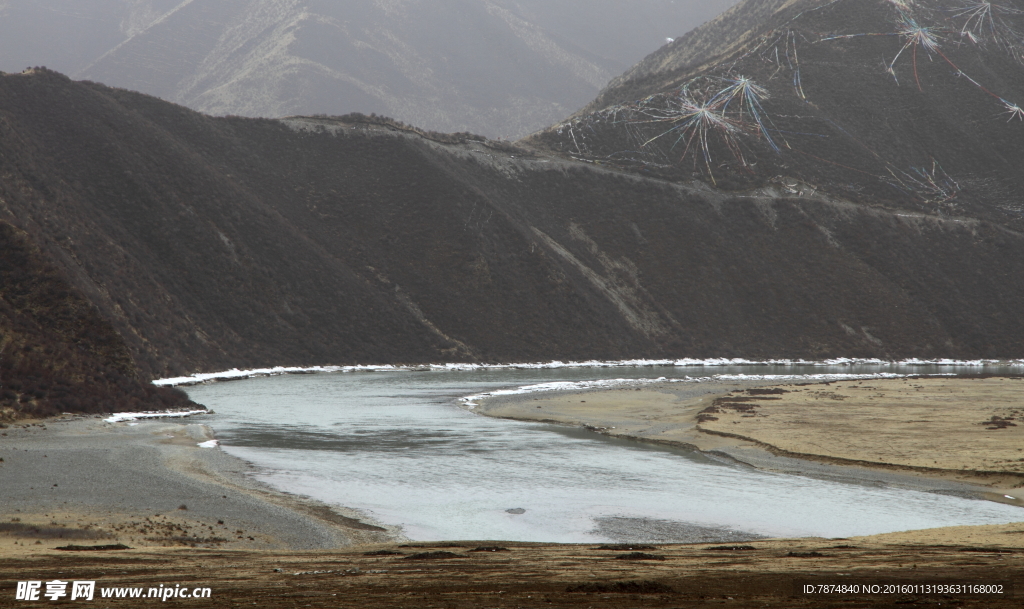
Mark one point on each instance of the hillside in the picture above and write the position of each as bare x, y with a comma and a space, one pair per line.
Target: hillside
891, 103
209, 243
57, 353
504, 68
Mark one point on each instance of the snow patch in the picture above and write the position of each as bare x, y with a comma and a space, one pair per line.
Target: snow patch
235, 373
209, 444
472, 401
134, 416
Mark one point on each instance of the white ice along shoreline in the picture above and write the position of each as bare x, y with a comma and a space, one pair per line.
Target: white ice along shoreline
472, 401
121, 417
236, 374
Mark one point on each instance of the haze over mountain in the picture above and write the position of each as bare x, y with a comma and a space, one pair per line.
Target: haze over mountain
192, 243
502, 68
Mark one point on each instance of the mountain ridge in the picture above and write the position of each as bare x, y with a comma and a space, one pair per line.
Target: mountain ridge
718, 37
208, 243
934, 127
504, 68
182, 227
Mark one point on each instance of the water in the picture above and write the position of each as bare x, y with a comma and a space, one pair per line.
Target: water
397, 446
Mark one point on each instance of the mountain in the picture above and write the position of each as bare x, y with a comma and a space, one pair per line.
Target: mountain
220, 242
57, 352
900, 104
503, 68
182, 242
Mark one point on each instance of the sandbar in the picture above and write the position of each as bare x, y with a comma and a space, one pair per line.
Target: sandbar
955, 435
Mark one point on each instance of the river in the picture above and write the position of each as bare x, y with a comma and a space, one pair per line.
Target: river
397, 445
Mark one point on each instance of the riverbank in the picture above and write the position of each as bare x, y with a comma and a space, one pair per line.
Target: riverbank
948, 435
121, 483
768, 573
151, 483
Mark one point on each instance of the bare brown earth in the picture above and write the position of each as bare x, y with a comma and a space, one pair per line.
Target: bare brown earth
964, 426
758, 574
964, 431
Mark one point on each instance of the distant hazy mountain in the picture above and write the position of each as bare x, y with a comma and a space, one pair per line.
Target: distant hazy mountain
502, 68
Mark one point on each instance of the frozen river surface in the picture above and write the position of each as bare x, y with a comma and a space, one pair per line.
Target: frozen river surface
397, 445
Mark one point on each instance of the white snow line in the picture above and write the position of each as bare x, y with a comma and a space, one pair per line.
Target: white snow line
165, 414
234, 374
472, 401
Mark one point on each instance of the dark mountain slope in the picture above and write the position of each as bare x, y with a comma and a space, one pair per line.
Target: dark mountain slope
907, 105
176, 250
57, 353
210, 243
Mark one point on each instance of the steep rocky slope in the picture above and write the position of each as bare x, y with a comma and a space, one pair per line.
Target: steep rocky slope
906, 105
498, 67
209, 243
